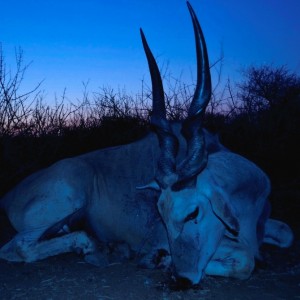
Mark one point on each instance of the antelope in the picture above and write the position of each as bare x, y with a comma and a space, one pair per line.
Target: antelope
177, 198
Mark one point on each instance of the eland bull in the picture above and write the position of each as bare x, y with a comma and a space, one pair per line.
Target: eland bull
177, 197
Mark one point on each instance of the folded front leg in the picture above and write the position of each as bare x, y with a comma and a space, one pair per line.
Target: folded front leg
232, 259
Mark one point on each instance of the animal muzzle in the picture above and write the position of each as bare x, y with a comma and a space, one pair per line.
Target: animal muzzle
187, 269
185, 281
181, 283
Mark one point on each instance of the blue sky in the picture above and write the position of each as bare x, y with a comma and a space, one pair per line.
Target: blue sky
98, 41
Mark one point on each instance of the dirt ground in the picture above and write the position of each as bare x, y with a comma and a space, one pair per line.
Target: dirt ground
69, 277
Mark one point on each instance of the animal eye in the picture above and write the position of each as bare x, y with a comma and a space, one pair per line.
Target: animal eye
192, 216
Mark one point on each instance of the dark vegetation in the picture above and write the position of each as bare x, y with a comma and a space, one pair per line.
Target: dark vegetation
258, 118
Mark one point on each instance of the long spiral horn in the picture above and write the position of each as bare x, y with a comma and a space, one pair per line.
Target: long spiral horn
196, 158
167, 140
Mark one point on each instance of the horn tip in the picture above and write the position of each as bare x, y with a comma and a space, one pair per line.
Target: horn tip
142, 35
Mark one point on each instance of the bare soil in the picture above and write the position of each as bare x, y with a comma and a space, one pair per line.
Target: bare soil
69, 277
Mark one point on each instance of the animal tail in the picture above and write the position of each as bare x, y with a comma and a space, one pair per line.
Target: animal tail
278, 233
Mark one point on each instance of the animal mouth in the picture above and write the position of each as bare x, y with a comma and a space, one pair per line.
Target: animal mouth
179, 283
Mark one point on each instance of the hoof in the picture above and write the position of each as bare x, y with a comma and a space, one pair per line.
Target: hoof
97, 259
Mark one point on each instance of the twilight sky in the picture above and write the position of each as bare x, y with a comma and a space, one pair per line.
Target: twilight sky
71, 41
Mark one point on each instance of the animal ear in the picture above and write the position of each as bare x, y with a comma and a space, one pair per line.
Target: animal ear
152, 185
225, 213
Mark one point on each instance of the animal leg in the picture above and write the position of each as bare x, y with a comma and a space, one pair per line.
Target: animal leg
10, 251
231, 260
278, 233
156, 259
27, 248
